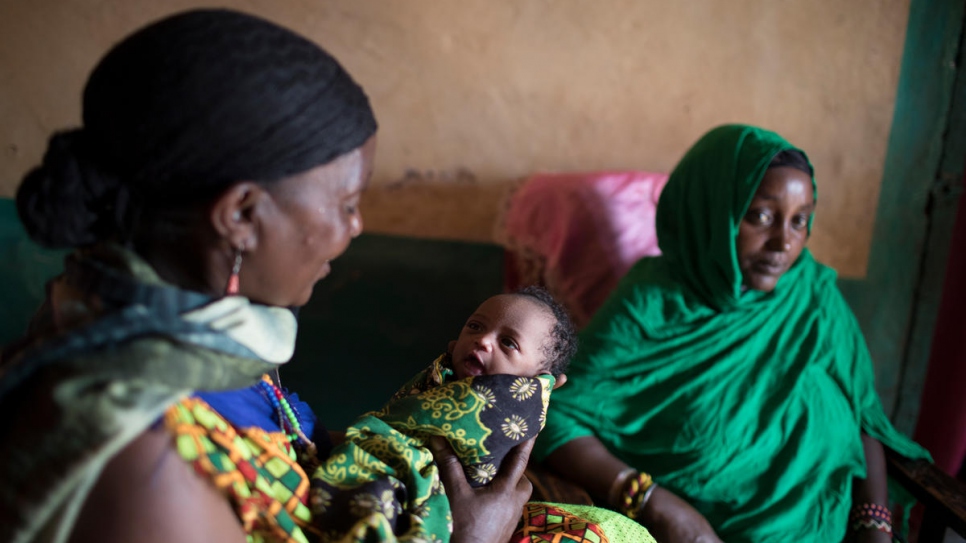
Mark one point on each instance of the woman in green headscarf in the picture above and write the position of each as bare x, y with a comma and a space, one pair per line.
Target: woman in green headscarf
730, 368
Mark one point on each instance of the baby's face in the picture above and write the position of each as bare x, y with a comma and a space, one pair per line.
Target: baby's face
506, 335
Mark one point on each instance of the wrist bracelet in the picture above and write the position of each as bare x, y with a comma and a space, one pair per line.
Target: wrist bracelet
647, 497
614, 495
870, 516
635, 494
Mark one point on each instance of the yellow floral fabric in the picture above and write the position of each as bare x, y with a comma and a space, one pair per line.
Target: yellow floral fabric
382, 484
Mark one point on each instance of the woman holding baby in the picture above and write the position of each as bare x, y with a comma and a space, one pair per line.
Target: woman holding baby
217, 172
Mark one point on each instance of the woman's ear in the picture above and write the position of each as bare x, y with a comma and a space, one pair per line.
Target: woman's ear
561, 380
233, 214
450, 347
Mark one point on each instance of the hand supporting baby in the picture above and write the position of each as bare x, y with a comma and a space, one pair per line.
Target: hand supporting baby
489, 513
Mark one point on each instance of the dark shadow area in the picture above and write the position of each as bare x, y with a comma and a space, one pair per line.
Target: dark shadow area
388, 309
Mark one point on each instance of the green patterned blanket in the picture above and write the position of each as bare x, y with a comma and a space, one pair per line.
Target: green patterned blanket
382, 484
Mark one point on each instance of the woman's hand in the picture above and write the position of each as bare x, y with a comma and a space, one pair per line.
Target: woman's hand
488, 514
671, 520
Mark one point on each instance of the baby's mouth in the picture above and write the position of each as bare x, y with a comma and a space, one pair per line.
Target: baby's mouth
473, 366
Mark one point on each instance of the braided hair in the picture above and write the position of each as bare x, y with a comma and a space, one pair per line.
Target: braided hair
180, 111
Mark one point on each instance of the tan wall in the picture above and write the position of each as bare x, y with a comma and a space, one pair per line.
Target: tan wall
471, 94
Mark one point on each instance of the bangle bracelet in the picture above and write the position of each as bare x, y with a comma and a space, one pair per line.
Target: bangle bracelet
647, 497
614, 495
635, 493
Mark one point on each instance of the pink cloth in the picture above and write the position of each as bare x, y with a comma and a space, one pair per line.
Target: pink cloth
579, 233
942, 416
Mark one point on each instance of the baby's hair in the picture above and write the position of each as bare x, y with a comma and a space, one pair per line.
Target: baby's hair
792, 158
563, 336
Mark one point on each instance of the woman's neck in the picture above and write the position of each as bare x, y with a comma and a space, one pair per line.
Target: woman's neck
185, 266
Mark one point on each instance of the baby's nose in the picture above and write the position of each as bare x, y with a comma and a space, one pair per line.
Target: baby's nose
485, 342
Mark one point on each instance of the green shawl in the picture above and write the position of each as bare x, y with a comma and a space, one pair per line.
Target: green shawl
749, 405
113, 348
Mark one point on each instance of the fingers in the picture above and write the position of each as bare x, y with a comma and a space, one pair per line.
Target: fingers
511, 475
561, 381
525, 487
514, 464
450, 469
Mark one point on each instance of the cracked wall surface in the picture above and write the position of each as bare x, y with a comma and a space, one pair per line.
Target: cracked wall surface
472, 95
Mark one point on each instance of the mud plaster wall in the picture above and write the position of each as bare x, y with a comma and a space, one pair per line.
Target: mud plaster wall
473, 94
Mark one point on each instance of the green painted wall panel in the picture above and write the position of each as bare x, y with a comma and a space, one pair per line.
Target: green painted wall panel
885, 301
942, 206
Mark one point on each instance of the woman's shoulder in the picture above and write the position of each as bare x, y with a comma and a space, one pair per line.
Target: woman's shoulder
650, 297
648, 280
119, 505
821, 284
824, 298
69, 424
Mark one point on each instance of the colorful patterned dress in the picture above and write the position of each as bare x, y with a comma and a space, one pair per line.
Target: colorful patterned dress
235, 440
112, 353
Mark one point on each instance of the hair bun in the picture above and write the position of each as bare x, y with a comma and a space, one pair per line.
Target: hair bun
66, 201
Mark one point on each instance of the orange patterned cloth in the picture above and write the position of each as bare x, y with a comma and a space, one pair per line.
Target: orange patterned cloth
546, 522
257, 470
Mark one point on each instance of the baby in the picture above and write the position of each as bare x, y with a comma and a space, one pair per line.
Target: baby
525, 334
487, 394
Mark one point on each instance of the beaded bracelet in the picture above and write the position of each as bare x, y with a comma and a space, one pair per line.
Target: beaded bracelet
870, 516
617, 487
637, 490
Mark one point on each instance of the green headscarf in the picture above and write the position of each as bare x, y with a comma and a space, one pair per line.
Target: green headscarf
749, 405
703, 203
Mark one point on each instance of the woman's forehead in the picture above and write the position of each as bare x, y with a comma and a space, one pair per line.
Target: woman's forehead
783, 183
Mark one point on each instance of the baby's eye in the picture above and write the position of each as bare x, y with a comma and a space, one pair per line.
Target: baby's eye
474, 326
509, 343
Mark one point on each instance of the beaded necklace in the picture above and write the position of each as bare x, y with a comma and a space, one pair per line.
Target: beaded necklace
288, 416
